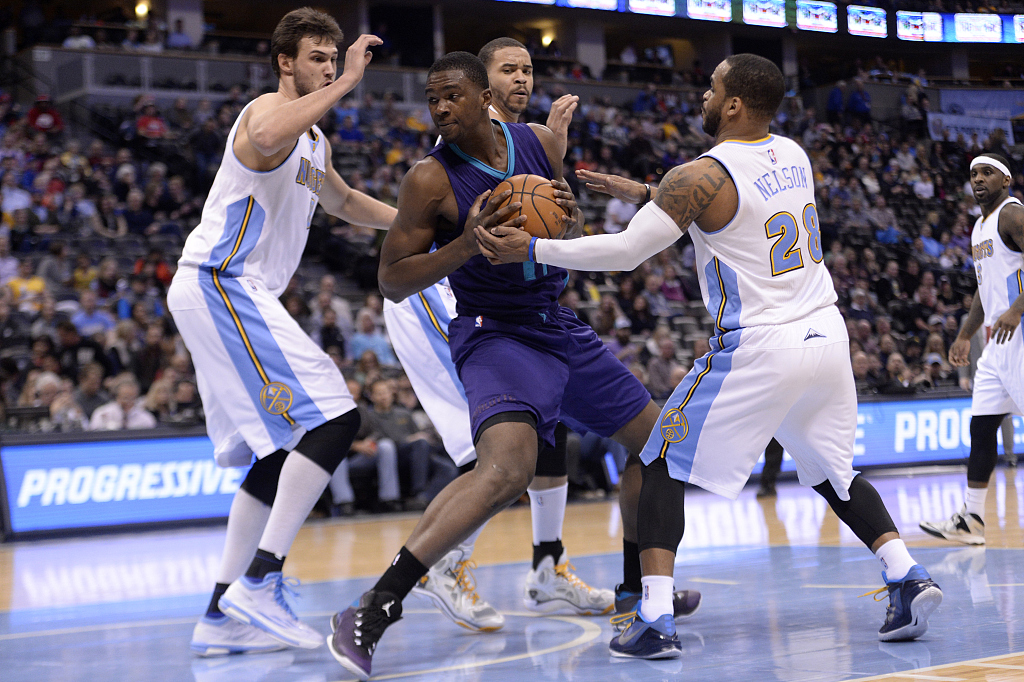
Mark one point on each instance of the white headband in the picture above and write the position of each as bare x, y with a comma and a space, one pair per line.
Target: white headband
995, 163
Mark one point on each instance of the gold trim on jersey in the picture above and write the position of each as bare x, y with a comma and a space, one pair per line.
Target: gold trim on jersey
241, 233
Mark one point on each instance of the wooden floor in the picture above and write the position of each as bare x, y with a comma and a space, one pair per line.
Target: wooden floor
780, 578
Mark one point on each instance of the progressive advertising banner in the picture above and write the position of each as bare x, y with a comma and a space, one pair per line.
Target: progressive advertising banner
949, 126
908, 432
59, 486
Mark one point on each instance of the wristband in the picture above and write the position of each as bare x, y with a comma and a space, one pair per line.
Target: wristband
648, 197
529, 253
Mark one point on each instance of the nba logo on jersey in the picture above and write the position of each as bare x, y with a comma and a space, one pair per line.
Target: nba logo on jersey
771, 157
479, 320
252, 284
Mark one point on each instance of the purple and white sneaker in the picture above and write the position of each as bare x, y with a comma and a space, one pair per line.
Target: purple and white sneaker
358, 628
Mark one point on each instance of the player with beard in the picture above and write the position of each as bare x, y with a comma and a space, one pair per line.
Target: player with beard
997, 242
267, 389
779, 363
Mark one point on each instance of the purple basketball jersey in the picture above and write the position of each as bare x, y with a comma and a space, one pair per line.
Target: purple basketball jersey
518, 291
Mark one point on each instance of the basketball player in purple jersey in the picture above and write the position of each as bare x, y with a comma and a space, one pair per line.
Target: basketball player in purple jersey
525, 362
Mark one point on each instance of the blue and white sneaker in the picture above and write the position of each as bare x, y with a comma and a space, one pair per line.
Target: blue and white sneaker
646, 640
262, 603
221, 636
684, 602
911, 601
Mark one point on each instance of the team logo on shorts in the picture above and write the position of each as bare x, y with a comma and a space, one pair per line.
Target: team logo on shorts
276, 398
674, 427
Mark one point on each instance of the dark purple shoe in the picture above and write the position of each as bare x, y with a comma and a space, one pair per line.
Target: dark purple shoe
357, 630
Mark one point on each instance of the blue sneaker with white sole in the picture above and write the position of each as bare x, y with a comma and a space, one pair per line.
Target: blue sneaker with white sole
911, 601
646, 640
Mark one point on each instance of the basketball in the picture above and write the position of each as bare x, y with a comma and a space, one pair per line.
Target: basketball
537, 196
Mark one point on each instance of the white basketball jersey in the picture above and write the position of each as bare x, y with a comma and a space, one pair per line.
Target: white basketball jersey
764, 267
256, 223
998, 268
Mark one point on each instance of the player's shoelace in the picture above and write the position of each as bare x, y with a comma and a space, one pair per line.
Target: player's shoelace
286, 586
370, 624
622, 621
463, 573
878, 595
565, 571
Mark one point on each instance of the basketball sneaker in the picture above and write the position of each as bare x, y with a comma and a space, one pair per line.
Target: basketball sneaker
449, 584
262, 603
911, 601
641, 639
219, 636
554, 588
962, 527
684, 602
357, 629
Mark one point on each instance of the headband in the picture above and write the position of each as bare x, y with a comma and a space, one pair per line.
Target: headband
995, 163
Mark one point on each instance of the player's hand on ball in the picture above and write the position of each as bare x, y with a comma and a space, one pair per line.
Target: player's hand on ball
959, 353
1002, 330
504, 244
358, 56
486, 217
623, 189
567, 200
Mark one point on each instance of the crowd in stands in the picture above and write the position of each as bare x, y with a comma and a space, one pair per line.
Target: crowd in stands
90, 231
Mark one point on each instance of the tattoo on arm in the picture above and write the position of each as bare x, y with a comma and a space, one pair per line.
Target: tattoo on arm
686, 192
1011, 225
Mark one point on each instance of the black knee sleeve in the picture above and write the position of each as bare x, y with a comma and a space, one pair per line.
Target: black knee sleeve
984, 429
660, 517
864, 512
261, 481
502, 418
329, 443
551, 460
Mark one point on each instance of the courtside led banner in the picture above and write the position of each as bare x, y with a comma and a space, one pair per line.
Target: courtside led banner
58, 486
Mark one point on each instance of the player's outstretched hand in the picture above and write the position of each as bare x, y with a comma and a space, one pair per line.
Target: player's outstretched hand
490, 216
1002, 330
959, 353
504, 244
559, 118
358, 56
623, 189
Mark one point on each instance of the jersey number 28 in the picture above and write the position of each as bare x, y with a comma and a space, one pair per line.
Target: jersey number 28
785, 254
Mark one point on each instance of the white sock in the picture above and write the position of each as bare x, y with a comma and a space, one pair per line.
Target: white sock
896, 560
547, 511
301, 483
467, 545
246, 520
974, 500
657, 596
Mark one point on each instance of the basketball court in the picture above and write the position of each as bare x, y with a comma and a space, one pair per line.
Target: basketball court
780, 579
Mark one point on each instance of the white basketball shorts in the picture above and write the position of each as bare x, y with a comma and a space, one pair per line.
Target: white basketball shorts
999, 380
418, 329
263, 381
791, 381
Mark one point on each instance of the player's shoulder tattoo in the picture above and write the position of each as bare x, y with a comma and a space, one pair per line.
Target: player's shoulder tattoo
1011, 224
687, 190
